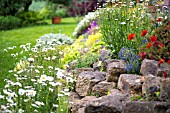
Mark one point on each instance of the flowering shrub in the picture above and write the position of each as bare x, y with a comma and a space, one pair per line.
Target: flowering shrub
157, 46
83, 24
118, 22
77, 48
132, 60
51, 40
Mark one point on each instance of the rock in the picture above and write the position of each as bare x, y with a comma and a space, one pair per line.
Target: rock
97, 66
149, 67
104, 54
78, 106
165, 89
107, 104
107, 62
114, 70
151, 85
163, 68
129, 83
146, 107
74, 96
87, 80
102, 88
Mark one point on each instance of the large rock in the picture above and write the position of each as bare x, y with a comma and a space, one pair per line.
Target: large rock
78, 106
151, 67
87, 80
129, 83
112, 103
114, 70
146, 107
151, 85
165, 89
102, 88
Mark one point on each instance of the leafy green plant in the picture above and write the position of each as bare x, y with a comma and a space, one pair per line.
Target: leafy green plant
119, 21
9, 22
30, 17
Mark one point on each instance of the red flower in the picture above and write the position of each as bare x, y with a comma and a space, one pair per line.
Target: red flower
153, 38
144, 32
161, 45
142, 55
159, 19
131, 36
165, 74
149, 45
168, 61
161, 61
167, 28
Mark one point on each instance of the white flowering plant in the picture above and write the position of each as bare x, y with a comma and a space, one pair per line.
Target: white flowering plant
37, 84
51, 40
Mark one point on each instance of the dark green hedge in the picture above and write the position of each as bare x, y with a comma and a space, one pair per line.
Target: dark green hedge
9, 22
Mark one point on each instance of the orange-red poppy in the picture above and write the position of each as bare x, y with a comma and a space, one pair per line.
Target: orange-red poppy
153, 38
149, 45
131, 36
144, 32
168, 61
159, 19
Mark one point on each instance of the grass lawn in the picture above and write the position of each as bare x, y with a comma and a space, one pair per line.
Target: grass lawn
25, 35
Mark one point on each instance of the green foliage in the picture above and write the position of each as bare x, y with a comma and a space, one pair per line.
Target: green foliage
9, 22
87, 60
11, 7
119, 21
29, 17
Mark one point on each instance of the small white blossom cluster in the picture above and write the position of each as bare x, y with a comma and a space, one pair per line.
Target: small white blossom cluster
51, 40
91, 16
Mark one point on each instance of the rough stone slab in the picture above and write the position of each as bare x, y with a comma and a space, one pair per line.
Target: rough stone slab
86, 81
114, 70
107, 104
129, 83
146, 107
78, 106
149, 67
165, 89
151, 85
103, 87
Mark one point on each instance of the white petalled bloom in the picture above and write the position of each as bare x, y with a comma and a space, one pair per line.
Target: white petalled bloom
55, 105
58, 83
39, 103
60, 95
30, 93
10, 100
26, 100
3, 107
43, 77
33, 80
41, 67
123, 23
50, 78
50, 67
34, 105
20, 111
31, 60
60, 74
50, 89
17, 84
5, 50
1, 96
53, 84
53, 57
21, 91
10, 71
7, 111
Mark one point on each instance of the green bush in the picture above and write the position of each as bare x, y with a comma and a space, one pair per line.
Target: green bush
9, 22
29, 17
